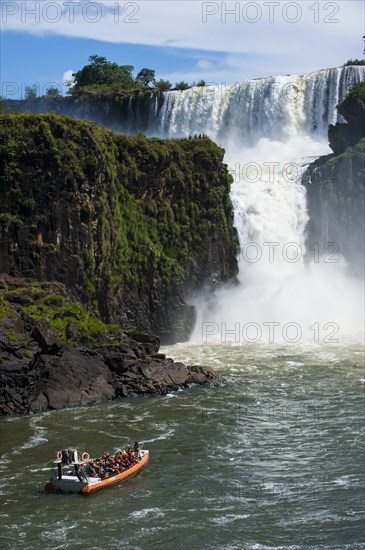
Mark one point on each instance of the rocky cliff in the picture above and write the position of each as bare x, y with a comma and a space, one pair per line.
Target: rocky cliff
54, 353
131, 226
128, 112
335, 185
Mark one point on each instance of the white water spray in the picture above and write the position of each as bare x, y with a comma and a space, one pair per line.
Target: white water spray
271, 128
280, 299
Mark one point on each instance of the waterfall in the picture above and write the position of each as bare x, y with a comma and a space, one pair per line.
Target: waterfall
277, 108
271, 129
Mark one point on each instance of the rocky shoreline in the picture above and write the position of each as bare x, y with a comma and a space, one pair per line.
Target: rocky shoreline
42, 368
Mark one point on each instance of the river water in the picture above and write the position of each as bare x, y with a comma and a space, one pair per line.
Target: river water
272, 459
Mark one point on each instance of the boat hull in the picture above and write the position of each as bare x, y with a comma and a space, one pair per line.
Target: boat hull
72, 484
131, 472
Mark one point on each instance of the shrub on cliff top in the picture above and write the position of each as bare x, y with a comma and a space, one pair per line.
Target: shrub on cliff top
109, 212
352, 108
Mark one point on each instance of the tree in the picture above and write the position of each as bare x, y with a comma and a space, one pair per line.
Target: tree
352, 108
96, 60
101, 74
31, 92
181, 85
201, 83
163, 85
53, 92
146, 77
354, 62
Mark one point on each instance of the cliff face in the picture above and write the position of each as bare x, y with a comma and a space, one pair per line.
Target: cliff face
121, 112
132, 226
335, 185
335, 200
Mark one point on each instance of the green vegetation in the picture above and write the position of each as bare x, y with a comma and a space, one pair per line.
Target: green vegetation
31, 93
5, 310
58, 310
182, 85
102, 77
163, 85
352, 108
100, 87
53, 92
335, 183
146, 77
354, 62
114, 214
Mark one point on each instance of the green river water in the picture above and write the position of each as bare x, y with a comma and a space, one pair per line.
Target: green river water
272, 459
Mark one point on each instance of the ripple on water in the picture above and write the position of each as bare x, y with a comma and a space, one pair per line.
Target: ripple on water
147, 512
231, 467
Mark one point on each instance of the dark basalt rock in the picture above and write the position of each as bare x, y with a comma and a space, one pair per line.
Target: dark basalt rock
335, 187
131, 226
46, 337
72, 331
38, 372
73, 377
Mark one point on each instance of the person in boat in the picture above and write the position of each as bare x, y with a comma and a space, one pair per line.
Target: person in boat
125, 461
114, 470
65, 459
131, 458
137, 450
90, 469
102, 469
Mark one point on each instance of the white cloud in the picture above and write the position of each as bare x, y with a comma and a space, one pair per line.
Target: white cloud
297, 36
204, 64
67, 77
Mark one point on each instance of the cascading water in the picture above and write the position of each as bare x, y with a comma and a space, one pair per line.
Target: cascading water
278, 108
271, 128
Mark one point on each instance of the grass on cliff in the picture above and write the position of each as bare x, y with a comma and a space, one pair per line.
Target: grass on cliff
122, 211
38, 301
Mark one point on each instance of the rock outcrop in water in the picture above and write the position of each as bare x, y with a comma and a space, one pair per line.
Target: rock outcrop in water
335, 186
131, 226
54, 353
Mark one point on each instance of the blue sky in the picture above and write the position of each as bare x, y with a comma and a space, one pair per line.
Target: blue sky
27, 59
221, 42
